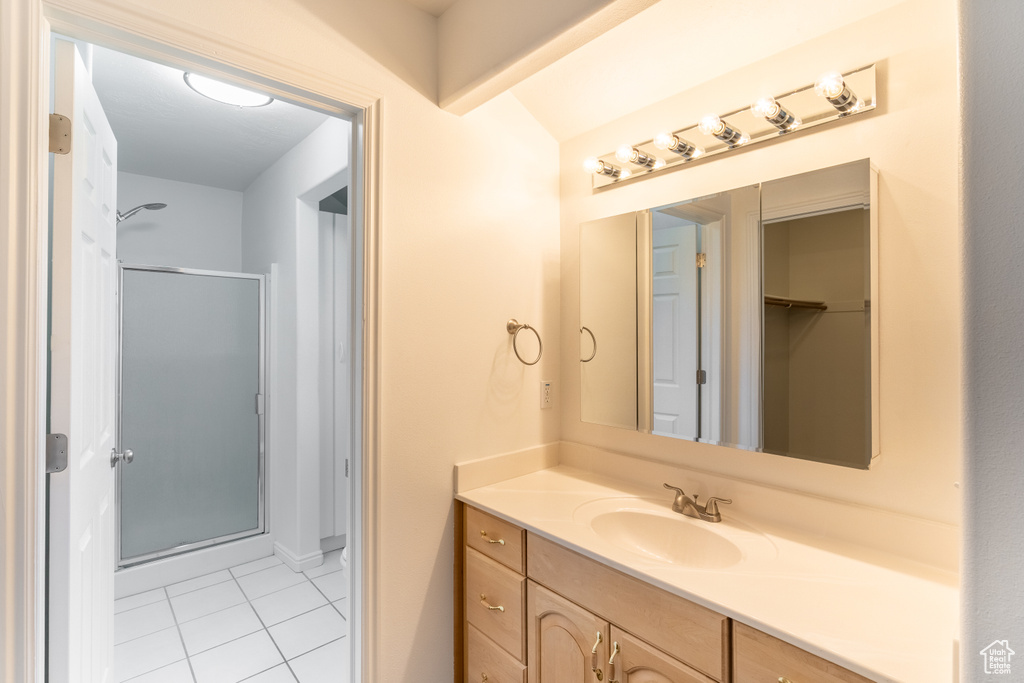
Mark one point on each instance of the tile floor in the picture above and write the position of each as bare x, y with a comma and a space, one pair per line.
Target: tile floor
258, 622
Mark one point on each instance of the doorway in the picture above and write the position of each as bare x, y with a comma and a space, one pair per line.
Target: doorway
297, 562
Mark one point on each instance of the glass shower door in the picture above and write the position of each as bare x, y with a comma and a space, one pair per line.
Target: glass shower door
191, 410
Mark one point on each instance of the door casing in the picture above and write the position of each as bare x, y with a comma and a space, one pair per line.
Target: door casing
26, 34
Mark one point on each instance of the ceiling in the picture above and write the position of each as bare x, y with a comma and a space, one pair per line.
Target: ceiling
166, 130
435, 7
687, 42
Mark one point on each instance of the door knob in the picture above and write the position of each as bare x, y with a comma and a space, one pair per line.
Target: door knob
125, 456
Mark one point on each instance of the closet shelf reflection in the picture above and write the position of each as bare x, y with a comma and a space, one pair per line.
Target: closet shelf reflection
786, 302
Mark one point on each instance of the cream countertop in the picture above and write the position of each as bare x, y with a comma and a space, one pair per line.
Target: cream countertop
877, 614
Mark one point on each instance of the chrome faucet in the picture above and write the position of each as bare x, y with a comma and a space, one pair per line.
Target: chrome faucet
684, 505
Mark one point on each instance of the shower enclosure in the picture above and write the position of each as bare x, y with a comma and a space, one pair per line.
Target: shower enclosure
191, 405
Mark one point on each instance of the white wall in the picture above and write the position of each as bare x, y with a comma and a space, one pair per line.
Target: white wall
487, 46
992, 172
282, 227
911, 139
200, 228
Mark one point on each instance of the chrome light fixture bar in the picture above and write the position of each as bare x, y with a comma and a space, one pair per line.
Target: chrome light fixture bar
832, 98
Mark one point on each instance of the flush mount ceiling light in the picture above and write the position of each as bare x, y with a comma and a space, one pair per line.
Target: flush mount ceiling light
226, 93
831, 98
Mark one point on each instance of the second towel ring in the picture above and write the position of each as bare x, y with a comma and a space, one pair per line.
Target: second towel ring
514, 327
593, 339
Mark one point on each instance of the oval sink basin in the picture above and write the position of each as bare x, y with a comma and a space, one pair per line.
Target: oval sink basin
648, 529
671, 540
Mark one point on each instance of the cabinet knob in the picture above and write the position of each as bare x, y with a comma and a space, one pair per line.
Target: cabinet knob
783, 679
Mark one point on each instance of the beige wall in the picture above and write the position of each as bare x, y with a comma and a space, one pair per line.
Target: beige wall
469, 239
911, 139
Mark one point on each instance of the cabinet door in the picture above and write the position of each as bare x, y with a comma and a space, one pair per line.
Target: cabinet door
561, 638
638, 662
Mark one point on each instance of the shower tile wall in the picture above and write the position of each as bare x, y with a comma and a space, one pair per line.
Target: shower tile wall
259, 622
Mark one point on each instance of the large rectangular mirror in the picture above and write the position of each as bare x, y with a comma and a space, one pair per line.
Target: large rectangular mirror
743, 318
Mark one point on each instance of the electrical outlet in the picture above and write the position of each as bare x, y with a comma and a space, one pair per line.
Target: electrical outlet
547, 394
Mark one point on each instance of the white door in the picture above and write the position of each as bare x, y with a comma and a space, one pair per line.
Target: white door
82, 544
675, 317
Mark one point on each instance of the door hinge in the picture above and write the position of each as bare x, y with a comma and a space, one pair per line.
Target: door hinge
259, 404
60, 134
56, 453
702, 377
346, 468
702, 260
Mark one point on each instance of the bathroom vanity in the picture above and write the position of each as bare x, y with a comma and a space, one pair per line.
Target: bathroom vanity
564, 576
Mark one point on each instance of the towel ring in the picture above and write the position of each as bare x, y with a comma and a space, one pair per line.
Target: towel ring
593, 339
514, 327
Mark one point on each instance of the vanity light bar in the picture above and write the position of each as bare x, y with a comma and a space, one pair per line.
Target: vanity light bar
831, 98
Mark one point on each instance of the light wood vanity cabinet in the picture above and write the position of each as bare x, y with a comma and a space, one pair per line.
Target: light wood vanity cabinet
530, 610
761, 657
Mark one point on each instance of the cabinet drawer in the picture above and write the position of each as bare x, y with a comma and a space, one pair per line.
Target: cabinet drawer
495, 597
485, 661
694, 634
759, 657
495, 538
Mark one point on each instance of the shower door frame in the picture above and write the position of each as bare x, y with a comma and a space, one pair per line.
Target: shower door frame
261, 408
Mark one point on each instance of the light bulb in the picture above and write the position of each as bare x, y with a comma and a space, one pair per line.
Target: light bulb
830, 86
664, 140
774, 113
659, 163
592, 164
766, 107
625, 173
711, 125
834, 89
624, 153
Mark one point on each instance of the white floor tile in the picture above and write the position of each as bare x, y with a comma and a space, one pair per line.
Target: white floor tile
147, 653
255, 566
267, 581
207, 600
236, 660
333, 585
328, 664
342, 607
279, 674
332, 563
142, 621
198, 582
288, 603
139, 599
179, 672
308, 631
218, 628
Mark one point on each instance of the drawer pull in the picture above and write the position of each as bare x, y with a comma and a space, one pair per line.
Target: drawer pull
611, 663
593, 658
484, 534
483, 678
498, 608
783, 679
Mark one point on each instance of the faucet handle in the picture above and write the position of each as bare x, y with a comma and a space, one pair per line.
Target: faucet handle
678, 490
711, 507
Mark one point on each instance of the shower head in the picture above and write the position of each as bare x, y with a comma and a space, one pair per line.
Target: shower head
150, 207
